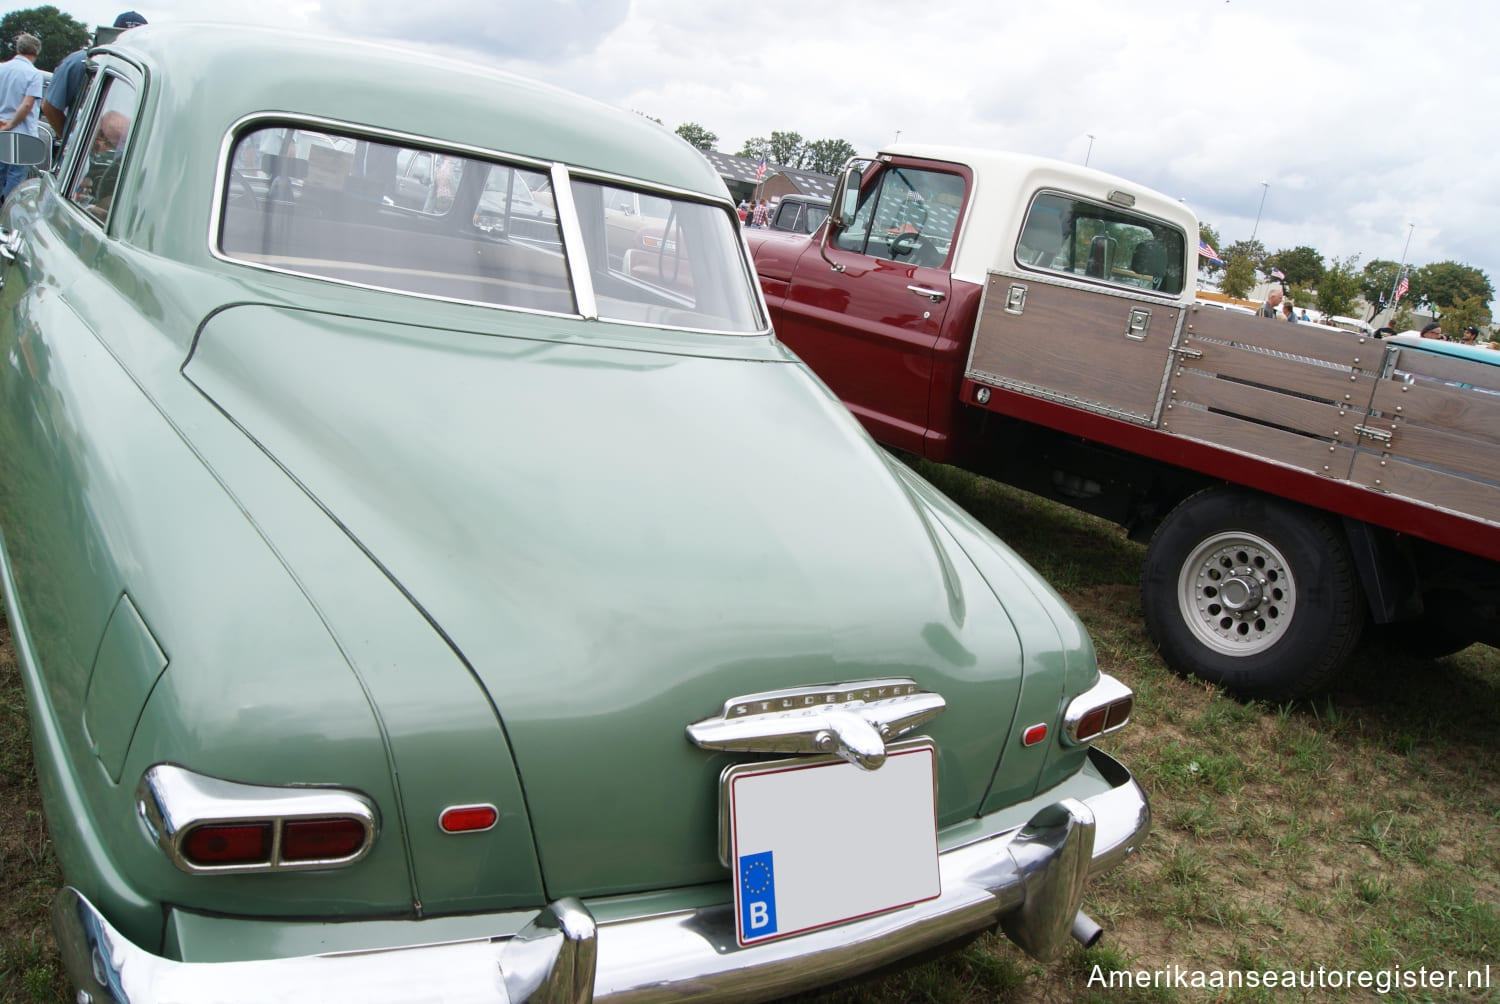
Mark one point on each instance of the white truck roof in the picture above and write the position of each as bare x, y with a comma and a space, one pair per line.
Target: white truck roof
1003, 186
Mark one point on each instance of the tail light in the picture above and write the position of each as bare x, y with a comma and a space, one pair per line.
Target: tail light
205, 824
1103, 708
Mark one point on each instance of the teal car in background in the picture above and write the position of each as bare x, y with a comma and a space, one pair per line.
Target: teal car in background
417, 602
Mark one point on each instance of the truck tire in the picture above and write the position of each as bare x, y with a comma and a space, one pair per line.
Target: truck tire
1251, 592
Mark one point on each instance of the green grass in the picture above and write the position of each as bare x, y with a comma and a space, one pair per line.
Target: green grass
1360, 830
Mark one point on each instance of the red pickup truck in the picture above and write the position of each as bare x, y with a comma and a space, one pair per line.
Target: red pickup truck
1036, 322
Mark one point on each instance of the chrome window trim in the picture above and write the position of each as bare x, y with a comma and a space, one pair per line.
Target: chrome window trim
173, 801
572, 234
83, 130
576, 262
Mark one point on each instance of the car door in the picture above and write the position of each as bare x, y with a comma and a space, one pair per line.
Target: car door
867, 318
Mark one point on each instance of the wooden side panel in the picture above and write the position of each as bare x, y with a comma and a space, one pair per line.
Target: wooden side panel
1341, 348
1428, 486
1302, 452
1071, 344
1347, 387
1259, 405
1462, 410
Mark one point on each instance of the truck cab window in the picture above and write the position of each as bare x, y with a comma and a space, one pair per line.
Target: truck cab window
1101, 242
908, 216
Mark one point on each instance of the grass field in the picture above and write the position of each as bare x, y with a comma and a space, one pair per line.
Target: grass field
1356, 832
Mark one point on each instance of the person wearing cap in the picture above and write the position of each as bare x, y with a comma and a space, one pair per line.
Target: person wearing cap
1470, 335
1434, 330
21, 85
68, 79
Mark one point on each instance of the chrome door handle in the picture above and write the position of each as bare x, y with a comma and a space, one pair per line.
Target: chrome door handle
935, 295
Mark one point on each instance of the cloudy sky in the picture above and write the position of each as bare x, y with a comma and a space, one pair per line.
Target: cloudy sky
1362, 122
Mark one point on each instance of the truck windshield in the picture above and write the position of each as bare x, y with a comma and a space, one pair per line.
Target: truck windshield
434, 223
1064, 234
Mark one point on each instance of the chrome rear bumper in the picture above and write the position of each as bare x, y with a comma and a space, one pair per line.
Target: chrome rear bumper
1028, 880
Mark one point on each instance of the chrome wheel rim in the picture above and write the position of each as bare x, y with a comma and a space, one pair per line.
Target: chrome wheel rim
1236, 593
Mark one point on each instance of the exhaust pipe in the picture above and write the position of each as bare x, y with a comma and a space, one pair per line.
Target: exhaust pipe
1085, 931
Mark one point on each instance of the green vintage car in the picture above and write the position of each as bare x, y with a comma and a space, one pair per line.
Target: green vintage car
417, 602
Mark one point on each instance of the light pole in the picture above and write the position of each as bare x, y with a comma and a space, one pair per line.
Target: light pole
1264, 185
1090, 151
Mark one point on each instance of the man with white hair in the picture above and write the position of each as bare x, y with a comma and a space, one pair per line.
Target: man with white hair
1273, 301
20, 102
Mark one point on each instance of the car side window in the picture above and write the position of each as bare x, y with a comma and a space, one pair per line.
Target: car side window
1088, 239
908, 216
97, 175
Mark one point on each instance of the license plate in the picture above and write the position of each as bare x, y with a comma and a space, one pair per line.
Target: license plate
814, 843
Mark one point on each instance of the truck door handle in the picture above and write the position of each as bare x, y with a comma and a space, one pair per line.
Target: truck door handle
935, 295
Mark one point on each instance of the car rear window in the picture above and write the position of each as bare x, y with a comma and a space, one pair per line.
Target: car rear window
435, 223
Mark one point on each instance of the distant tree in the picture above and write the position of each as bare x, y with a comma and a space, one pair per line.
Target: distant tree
1447, 283
1302, 265
1339, 287
1239, 276
1377, 282
698, 136
1252, 250
1210, 236
786, 148
60, 34
755, 148
827, 156
1474, 310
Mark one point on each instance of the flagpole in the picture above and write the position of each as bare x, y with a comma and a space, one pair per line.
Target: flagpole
1401, 265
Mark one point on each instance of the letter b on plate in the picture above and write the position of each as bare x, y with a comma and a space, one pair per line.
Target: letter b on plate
757, 895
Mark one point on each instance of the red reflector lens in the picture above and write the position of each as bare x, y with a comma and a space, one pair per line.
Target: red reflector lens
1091, 724
245, 844
1034, 735
468, 818
1119, 713
321, 839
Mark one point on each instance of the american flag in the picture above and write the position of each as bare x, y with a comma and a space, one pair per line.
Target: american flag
1206, 250
1401, 288
760, 172
1277, 273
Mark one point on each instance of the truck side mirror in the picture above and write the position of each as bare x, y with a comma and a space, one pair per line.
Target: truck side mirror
846, 197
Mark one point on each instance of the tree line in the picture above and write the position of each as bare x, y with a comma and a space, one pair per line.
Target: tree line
1459, 293
785, 149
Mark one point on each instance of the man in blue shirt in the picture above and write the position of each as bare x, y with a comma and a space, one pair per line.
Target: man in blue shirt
69, 78
20, 99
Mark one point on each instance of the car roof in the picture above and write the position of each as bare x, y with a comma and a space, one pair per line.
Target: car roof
203, 80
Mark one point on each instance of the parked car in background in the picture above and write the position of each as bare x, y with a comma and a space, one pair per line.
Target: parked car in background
412, 608
801, 214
